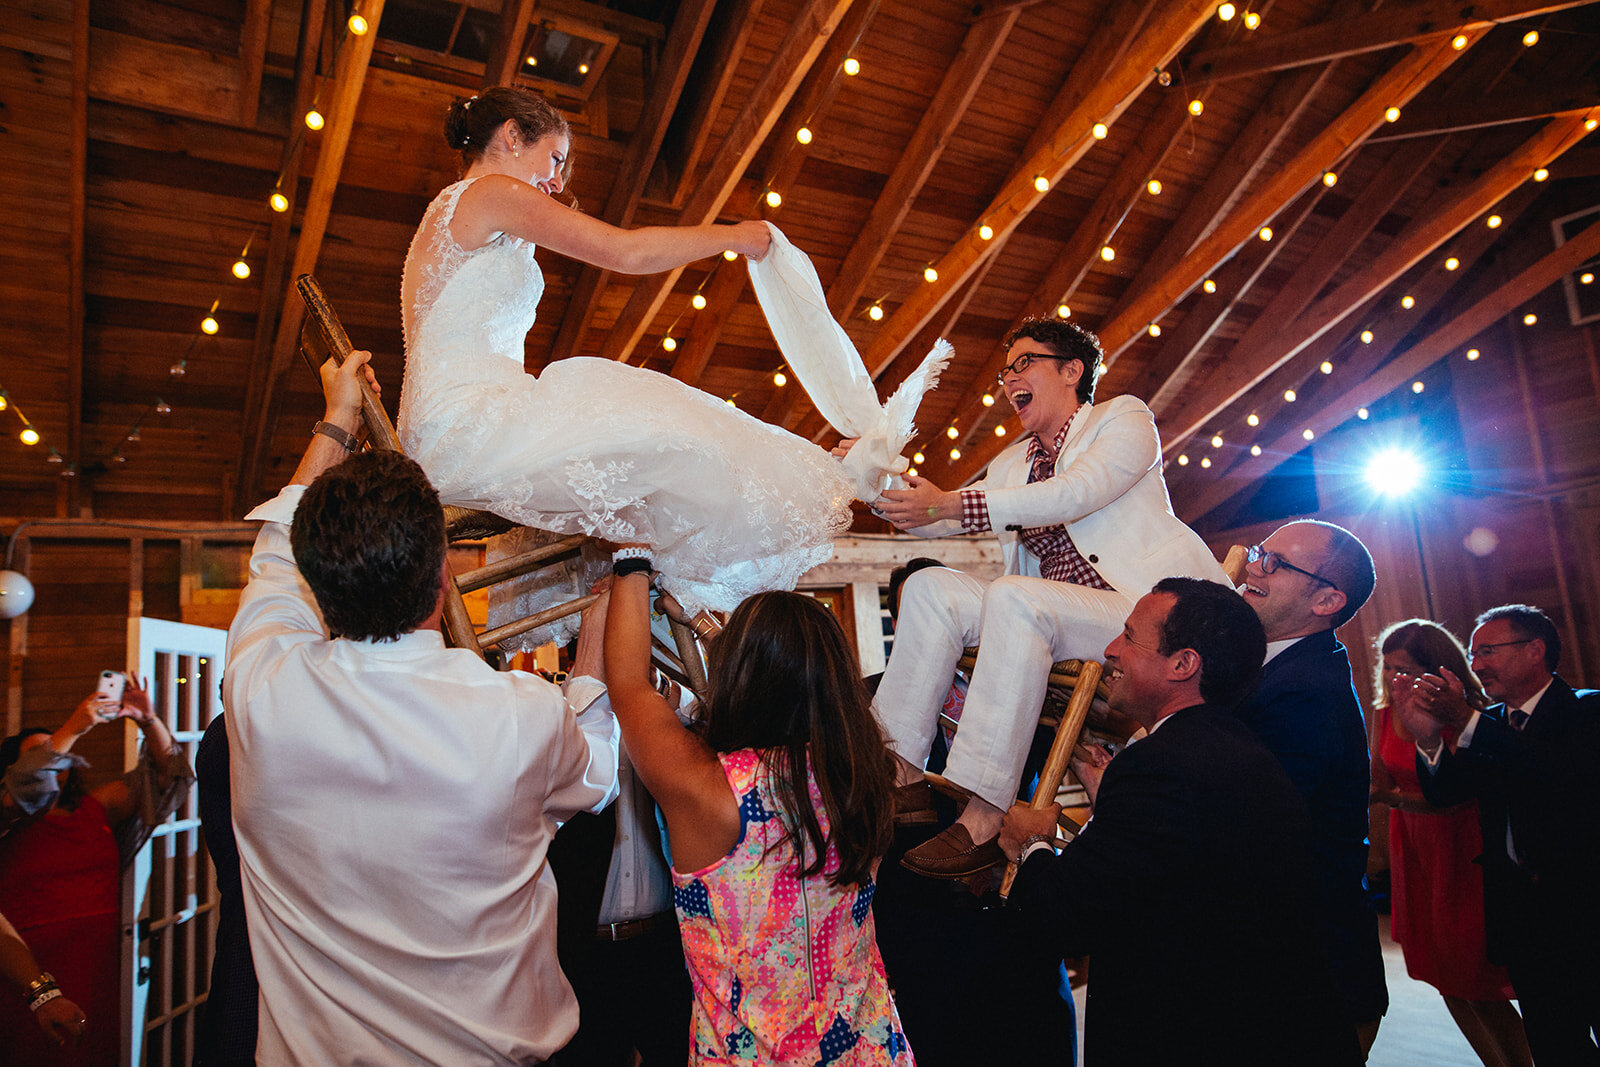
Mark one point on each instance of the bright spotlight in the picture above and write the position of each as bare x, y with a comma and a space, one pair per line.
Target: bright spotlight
1394, 472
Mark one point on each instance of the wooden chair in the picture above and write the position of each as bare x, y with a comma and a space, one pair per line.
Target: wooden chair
322, 337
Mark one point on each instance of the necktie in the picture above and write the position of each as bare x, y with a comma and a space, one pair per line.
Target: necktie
1519, 718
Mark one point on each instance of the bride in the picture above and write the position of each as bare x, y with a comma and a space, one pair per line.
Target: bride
729, 504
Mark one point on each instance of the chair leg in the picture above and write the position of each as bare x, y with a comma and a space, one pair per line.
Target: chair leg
689, 653
1055, 765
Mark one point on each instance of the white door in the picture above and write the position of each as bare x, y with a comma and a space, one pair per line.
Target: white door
169, 893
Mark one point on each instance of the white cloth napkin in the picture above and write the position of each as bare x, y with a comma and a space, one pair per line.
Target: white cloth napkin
829, 368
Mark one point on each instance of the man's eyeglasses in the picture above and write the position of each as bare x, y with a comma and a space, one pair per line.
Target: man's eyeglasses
1023, 362
1485, 651
1270, 561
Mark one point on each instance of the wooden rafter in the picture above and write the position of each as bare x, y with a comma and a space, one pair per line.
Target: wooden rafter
966, 72
1495, 109
1065, 144
644, 147
350, 72
1449, 338
1389, 25
505, 49
763, 107
1391, 89
727, 49
810, 103
1245, 369
1318, 268
253, 35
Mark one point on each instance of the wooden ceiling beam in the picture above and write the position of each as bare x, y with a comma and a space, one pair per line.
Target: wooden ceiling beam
1168, 372
727, 49
1244, 369
77, 199
505, 51
1341, 241
253, 36
1495, 109
1391, 89
1165, 32
638, 162
1390, 323
979, 49
350, 72
810, 103
1449, 338
1337, 37
763, 107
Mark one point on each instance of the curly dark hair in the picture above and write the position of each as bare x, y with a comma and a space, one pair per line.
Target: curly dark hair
1225, 631
1067, 340
784, 680
369, 540
471, 122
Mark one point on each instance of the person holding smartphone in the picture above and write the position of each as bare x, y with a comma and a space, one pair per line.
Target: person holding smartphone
62, 850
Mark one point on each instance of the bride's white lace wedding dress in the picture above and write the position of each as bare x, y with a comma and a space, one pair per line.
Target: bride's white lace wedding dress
730, 504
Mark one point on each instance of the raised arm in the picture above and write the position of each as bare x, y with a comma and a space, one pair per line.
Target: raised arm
499, 203
680, 770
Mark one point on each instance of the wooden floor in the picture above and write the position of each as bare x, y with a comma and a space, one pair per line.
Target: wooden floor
1417, 1032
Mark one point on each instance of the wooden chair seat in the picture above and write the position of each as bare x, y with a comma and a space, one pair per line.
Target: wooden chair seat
323, 337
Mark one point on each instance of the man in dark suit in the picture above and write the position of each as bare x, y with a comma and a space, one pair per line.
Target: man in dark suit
1191, 887
1530, 762
1304, 581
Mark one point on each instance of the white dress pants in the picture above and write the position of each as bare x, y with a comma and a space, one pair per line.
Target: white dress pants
1025, 625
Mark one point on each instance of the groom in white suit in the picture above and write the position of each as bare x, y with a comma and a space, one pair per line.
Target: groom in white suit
1086, 528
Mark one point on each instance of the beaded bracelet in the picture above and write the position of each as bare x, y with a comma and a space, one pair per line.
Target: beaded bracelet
44, 998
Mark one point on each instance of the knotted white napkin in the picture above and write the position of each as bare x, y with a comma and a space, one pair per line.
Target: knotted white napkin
829, 368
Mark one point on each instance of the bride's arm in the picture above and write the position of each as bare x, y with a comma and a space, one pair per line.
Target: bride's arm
498, 202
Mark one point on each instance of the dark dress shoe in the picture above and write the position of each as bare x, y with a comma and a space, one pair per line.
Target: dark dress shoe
913, 804
952, 854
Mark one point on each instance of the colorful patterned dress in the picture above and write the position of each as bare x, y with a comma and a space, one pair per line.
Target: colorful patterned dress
785, 970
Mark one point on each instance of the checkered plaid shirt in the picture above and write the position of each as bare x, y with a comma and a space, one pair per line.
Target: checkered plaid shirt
1059, 558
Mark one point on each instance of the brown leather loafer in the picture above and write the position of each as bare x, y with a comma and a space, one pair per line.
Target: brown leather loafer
952, 854
913, 804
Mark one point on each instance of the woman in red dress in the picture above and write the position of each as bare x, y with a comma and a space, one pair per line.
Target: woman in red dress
62, 850
1436, 889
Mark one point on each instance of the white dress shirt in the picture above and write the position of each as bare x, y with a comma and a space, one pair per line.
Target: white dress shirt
393, 802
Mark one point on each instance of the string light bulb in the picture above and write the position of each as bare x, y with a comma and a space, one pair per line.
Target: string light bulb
875, 313
1408, 301
1330, 178
780, 379
1308, 434
1363, 414
669, 343
583, 68
1366, 337
1183, 459
1541, 174
852, 66
1154, 186
1458, 42
179, 369
1253, 419
955, 453
1590, 124
1265, 233
1226, 12
1205, 461
930, 273
1529, 319
1197, 106
1252, 19
358, 25
1000, 430
1472, 355
730, 402
774, 198
1326, 368
314, 120
1493, 222
209, 325
730, 255
1530, 38
1216, 440
1154, 329
698, 301
803, 135
912, 471
162, 407
1289, 396
1064, 312
986, 232
5, 401
1452, 263
1391, 114
988, 400
1209, 285
1417, 387
28, 436
918, 457
1041, 183
1163, 77
1108, 253
1586, 278
1101, 131
951, 432
279, 202
1255, 450
241, 269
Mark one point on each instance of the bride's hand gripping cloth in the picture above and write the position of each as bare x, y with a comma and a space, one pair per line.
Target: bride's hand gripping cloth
829, 368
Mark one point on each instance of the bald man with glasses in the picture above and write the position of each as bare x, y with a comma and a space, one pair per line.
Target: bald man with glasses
1304, 581
1530, 761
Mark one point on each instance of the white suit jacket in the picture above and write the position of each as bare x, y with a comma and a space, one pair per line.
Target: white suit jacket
1109, 491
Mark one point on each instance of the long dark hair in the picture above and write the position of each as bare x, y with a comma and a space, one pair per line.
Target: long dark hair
784, 680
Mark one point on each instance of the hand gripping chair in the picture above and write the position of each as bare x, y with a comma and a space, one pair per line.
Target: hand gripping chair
323, 337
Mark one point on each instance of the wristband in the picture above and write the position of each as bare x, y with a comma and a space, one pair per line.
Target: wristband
631, 565
43, 998
344, 438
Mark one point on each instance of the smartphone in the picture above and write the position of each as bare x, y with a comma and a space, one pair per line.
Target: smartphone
112, 685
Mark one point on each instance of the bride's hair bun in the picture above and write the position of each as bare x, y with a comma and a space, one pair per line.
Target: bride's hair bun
457, 123
472, 121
